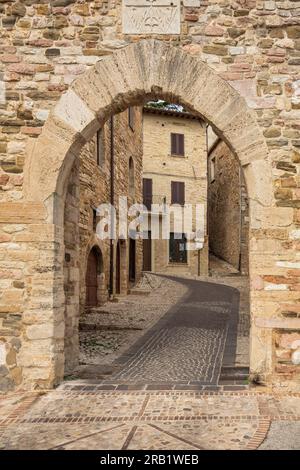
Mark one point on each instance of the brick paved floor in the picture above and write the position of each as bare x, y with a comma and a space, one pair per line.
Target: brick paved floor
85, 419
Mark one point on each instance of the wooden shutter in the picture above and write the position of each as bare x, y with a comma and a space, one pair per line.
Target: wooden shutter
177, 144
173, 144
180, 144
147, 192
177, 192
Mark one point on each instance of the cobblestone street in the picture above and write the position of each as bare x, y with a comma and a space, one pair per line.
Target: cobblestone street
157, 383
187, 345
185, 333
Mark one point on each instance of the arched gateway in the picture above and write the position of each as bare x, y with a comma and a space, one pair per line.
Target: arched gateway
133, 75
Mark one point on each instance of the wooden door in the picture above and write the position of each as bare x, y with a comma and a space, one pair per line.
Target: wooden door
147, 253
91, 280
132, 260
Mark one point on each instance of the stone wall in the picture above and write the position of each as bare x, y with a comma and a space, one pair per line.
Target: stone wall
89, 186
228, 208
287, 350
252, 45
44, 47
163, 168
72, 268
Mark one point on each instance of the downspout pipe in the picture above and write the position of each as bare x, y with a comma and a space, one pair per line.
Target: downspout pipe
112, 202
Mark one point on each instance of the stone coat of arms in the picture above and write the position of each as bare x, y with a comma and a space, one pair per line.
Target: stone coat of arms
151, 16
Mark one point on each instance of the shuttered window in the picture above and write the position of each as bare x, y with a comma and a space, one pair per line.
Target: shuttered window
177, 144
177, 193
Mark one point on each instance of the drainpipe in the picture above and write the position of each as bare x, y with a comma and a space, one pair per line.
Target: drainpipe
112, 201
241, 219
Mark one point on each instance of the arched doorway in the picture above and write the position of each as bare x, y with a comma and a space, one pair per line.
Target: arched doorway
93, 271
134, 75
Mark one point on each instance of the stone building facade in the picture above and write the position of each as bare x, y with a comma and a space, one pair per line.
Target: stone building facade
169, 165
228, 207
66, 66
118, 143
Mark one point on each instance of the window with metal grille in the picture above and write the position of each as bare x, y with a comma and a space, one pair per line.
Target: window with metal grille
177, 248
177, 193
177, 144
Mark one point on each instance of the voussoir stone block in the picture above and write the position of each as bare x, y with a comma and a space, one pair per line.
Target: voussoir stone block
72, 110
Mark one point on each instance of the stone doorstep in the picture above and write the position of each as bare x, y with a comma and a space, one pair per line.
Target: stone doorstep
156, 387
139, 292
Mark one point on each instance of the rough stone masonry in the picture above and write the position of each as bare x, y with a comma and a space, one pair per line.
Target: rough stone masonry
65, 67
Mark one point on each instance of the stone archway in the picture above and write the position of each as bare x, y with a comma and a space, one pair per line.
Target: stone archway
133, 75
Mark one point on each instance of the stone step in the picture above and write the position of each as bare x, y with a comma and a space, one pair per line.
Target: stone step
234, 373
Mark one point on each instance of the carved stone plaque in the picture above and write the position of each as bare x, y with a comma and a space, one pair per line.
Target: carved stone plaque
151, 16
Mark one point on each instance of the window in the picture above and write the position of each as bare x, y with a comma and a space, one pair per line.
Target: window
147, 192
94, 219
131, 118
177, 248
177, 193
212, 169
177, 144
131, 178
100, 148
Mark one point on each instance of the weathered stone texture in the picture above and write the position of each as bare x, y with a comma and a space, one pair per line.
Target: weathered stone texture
228, 208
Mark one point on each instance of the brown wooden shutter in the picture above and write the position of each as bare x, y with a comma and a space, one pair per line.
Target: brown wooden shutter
181, 195
180, 144
147, 192
173, 192
173, 144
177, 144
177, 192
